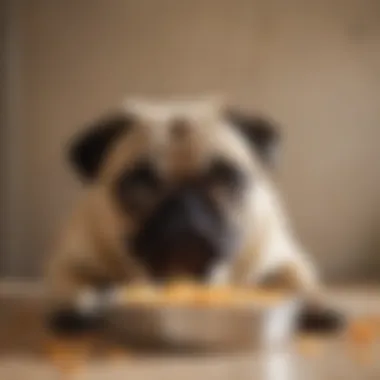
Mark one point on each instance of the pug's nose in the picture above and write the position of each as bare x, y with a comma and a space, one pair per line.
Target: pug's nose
187, 241
180, 213
185, 221
181, 236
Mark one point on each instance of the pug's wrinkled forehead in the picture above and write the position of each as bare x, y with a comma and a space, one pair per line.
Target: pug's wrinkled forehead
166, 110
181, 138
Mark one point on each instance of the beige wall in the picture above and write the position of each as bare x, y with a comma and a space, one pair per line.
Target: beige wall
314, 65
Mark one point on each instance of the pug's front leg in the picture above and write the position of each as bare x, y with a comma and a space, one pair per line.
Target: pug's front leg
80, 297
298, 275
85, 315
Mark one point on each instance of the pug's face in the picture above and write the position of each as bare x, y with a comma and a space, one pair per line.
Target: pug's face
182, 175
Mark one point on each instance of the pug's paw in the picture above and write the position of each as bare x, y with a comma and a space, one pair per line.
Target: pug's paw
320, 320
71, 322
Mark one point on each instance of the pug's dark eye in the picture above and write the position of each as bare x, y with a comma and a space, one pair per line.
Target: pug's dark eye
225, 174
138, 188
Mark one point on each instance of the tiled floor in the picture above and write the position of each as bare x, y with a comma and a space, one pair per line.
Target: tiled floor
23, 343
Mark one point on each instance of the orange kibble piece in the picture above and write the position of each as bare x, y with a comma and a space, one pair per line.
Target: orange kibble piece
362, 335
203, 298
68, 355
374, 322
142, 294
362, 332
219, 296
180, 291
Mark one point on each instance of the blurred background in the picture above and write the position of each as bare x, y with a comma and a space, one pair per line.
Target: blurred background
312, 65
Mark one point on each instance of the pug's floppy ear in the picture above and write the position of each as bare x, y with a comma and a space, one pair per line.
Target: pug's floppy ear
262, 134
87, 149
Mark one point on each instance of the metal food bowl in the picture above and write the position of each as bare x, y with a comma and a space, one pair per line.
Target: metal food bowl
208, 328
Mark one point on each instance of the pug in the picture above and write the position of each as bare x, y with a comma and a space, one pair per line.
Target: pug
177, 189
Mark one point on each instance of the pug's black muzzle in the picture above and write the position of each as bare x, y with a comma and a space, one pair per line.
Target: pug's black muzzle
186, 235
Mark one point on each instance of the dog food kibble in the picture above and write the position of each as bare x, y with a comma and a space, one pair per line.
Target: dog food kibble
141, 294
183, 292
180, 292
362, 332
361, 337
68, 356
